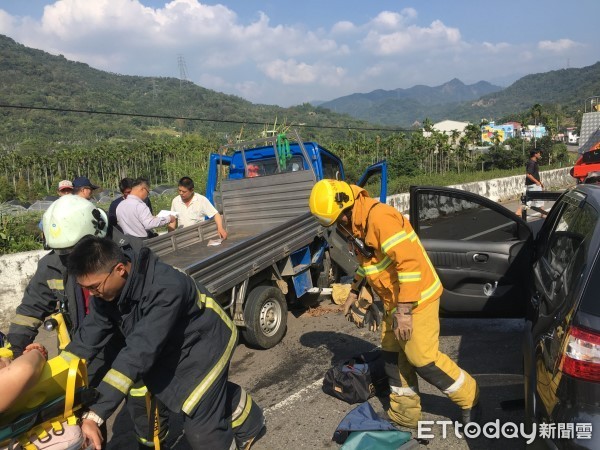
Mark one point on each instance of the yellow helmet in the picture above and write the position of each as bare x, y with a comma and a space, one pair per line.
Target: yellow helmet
328, 199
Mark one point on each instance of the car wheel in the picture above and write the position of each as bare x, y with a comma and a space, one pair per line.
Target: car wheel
265, 314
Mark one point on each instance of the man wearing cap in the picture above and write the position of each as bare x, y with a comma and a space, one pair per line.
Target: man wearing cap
65, 187
83, 187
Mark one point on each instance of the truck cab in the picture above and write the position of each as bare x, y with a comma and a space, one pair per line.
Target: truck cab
284, 156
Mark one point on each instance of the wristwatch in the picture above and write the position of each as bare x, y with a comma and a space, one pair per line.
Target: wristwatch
91, 415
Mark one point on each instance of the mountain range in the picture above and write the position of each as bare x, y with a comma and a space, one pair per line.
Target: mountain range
565, 89
37, 90
367, 106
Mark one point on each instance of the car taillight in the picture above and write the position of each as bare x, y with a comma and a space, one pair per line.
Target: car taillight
582, 355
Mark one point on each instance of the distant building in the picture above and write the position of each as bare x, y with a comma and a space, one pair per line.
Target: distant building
572, 136
491, 131
534, 131
448, 127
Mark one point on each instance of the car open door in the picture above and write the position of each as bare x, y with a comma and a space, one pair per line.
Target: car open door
481, 251
374, 180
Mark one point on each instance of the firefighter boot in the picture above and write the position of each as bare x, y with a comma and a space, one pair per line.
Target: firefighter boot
405, 403
247, 419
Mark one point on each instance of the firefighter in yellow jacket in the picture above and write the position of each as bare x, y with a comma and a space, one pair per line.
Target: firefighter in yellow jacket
396, 266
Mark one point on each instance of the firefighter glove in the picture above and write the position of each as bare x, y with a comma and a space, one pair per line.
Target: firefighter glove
402, 321
352, 297
373, 318
365, 314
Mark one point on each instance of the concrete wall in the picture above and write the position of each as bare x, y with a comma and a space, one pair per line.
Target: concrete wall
498, 189
17, 269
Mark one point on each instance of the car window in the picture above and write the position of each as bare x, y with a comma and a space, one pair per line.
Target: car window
331, 167
565, 252
589, 302
456, 218
268, 166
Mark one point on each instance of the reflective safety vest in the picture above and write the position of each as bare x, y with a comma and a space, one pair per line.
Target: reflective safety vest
399, 270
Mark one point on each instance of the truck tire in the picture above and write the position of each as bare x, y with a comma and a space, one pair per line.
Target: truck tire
265, 313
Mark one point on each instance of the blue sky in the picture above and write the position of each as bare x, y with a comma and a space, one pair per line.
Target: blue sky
290, 52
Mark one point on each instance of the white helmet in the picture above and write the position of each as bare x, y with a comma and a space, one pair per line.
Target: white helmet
69, 219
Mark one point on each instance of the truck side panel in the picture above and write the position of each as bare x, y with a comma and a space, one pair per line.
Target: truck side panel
253, 205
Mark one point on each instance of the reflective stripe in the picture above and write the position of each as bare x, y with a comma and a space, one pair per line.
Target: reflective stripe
27, 321
429, 292
244, 415
395, 240
145, 442
361, 272
409, 277
194, 398
375, 268
241, 405
404, 391
56, 284
426, 255
457, 384
117, 380
68, 356
138, 392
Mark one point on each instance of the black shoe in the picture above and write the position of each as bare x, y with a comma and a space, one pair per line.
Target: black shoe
472, 414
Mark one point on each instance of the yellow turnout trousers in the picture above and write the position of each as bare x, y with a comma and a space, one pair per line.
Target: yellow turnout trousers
421, 355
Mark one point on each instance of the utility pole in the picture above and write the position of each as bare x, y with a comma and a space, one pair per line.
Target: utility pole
183, 75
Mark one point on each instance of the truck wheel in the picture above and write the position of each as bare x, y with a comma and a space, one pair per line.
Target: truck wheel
329, 274
265, 314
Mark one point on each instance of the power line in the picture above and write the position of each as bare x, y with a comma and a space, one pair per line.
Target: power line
195, 119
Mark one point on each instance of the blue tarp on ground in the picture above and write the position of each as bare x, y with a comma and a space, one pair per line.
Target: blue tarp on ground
376, 440
363, 429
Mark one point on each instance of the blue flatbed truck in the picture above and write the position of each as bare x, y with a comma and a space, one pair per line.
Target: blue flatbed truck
275, 251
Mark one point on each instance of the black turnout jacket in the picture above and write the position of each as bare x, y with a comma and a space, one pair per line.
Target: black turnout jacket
178, 339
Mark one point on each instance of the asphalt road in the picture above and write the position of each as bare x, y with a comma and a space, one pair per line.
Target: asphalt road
286, 381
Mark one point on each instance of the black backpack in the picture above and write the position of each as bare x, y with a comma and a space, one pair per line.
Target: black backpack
358, 379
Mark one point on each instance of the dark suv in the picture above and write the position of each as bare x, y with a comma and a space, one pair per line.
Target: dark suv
562, 339
491, 265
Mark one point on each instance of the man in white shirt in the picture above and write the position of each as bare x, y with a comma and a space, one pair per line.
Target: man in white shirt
191, 208
134, 216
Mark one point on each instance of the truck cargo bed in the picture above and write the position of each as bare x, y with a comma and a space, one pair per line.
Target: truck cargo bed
197, 253
267, 219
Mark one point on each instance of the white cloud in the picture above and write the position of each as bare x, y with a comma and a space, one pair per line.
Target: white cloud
496, 48
558, 46
251, 90
291, 71
343, 27
214, 82
413, 38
